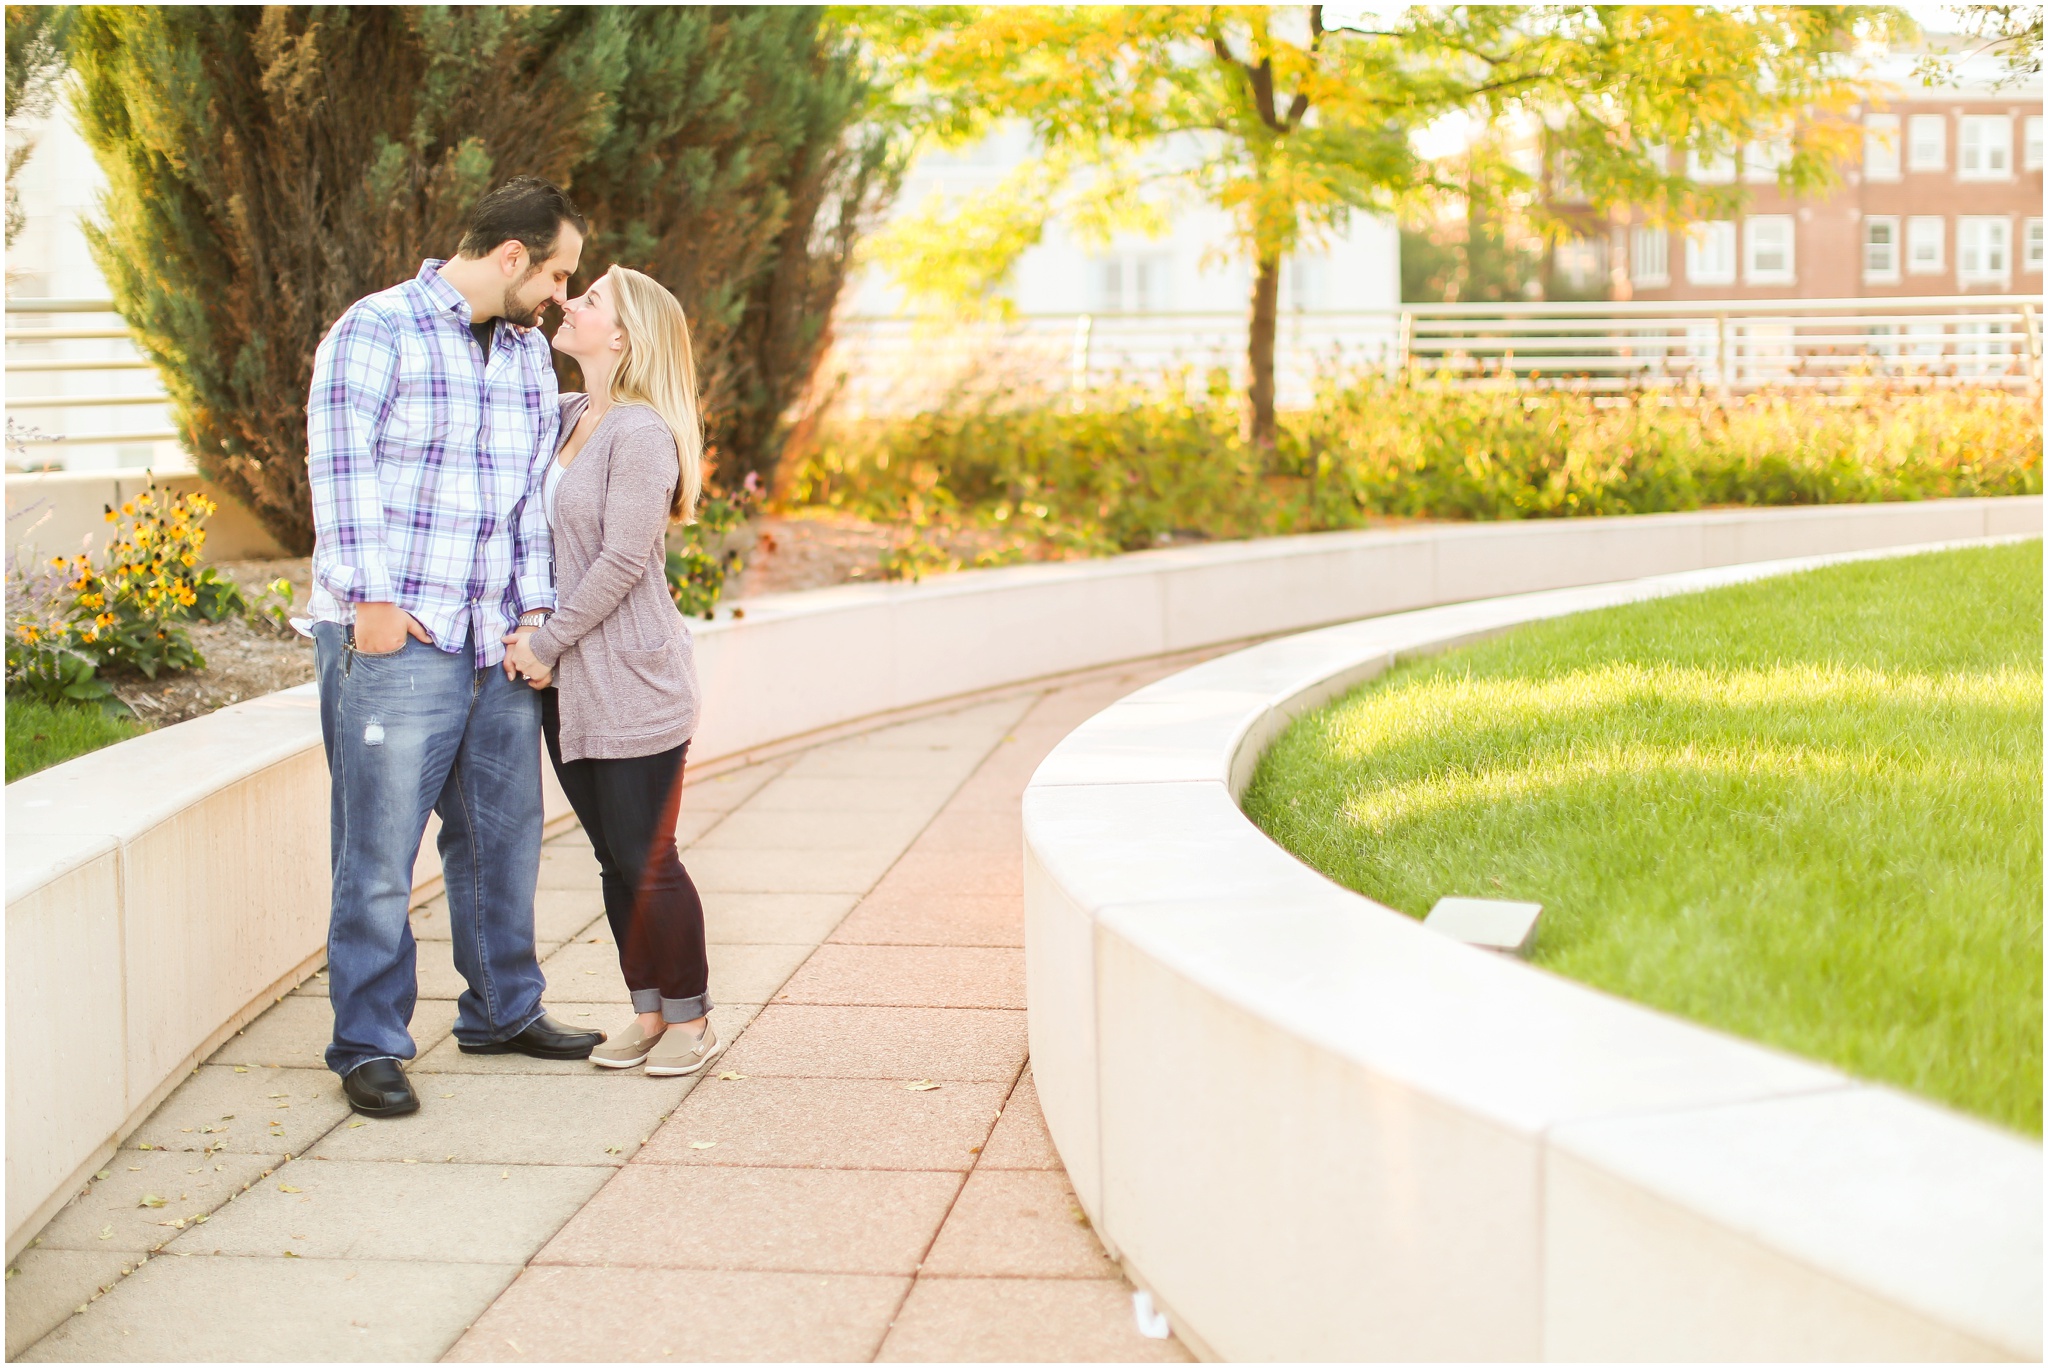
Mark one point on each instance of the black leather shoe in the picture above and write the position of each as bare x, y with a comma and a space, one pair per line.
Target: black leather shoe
380, 1088
545, 1039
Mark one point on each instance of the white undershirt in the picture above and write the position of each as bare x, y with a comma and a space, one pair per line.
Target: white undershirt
556, 470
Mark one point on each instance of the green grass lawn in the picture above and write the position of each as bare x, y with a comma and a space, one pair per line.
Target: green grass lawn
1806, 810
40, 735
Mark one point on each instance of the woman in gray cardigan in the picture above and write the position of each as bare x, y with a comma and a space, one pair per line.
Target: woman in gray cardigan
614, 659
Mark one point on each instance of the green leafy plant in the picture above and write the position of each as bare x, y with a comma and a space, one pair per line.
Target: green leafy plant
75, 616
699, 568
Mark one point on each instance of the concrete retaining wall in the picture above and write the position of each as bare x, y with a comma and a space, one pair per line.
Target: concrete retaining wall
185, 873
52, 514
1316, 1130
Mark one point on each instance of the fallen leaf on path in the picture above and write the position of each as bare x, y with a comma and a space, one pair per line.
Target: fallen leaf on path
703, 1144
103, 1174
145, 1145
150, 1199
106, 1232
240, 1069
353, 1124
730, 1077
280, 1094
287, 1187
921, 1085
290, 1255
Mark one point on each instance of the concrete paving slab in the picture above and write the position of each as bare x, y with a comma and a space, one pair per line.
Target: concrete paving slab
436, 1213
1018, 1224
844, 761
45, 1287
846, 793
774, 918
684, 1316
909, 976
751, 829
209, 1307
726, 791
567, 867
968, 1044
752, 973
892, 916
598, 1118
584, 972
994, 834
787, 871
941, 873
1021, 1140
611, 1018
262, 1111
148, 1196
293, 1033
765, 1219
864, 1123
1014, 1320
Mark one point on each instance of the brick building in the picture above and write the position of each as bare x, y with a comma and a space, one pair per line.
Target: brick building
1947, 200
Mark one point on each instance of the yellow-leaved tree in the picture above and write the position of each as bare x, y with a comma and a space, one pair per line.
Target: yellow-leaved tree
1291, 124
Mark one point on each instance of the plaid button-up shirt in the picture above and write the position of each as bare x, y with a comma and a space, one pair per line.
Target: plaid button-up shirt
426, 466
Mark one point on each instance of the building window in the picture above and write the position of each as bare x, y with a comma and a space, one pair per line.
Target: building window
1983, 250
1130, 284
1767, 242
1710, 253
1924, 255
1761, 161
1881, 147
1710, 168
2030, 254
1927, 142
1649, 256
1984, 147
2031, 140
1880, 250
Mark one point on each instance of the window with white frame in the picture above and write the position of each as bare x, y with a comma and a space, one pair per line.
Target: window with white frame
1983, 250
1710, 168
1880, 249
1767, 249
1927, 142
1130, 284
1762, 160
1881, 147
1984, 147
1925, 236
2030, 246
1710, 253
2030, 143
1649, 257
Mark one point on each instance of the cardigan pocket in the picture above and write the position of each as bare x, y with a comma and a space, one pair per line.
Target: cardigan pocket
651, 689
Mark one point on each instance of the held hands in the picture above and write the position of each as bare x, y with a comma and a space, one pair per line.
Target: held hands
522, 663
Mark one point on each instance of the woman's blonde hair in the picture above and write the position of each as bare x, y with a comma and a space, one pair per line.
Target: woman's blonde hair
658, 370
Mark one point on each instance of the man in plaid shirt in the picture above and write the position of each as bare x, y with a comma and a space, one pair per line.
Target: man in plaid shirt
432, 418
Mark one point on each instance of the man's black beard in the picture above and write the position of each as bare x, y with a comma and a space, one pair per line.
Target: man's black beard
511, 314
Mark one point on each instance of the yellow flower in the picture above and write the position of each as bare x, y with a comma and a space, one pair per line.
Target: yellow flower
30, 634
103, 620
129, 508
188, 558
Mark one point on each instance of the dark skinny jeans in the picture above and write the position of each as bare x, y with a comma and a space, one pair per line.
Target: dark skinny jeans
628, 809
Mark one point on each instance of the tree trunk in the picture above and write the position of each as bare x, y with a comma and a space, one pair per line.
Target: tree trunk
1265, 324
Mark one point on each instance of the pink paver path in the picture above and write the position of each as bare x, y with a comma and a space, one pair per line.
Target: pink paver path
798, 1202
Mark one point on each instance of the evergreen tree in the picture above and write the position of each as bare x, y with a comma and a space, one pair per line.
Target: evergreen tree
268, 166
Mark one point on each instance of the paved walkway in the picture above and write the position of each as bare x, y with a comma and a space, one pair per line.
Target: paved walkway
864, 1174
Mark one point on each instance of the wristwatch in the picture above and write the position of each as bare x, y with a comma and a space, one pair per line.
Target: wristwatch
537, 618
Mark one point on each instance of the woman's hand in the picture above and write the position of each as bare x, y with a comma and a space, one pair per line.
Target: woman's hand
521, 661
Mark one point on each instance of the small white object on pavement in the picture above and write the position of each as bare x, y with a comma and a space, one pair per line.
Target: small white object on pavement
1152, 1322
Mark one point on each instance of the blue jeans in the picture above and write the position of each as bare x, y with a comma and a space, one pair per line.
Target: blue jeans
414, 731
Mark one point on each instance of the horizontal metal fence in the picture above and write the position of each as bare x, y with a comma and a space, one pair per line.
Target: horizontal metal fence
883, 364
76, 384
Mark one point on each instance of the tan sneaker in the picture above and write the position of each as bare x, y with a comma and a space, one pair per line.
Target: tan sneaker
626, 1049
679, 1052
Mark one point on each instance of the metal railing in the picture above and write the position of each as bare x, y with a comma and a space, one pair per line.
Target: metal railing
85, 382
1720, 348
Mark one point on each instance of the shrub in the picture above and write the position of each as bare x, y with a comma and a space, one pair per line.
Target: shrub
1128, 470
269, 165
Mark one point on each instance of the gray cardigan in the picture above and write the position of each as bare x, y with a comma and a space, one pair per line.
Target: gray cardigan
624, 666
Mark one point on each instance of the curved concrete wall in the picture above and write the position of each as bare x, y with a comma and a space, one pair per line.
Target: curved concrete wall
184, 873
1316, 1130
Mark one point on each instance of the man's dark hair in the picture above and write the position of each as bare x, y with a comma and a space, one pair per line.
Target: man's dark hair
525, 209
